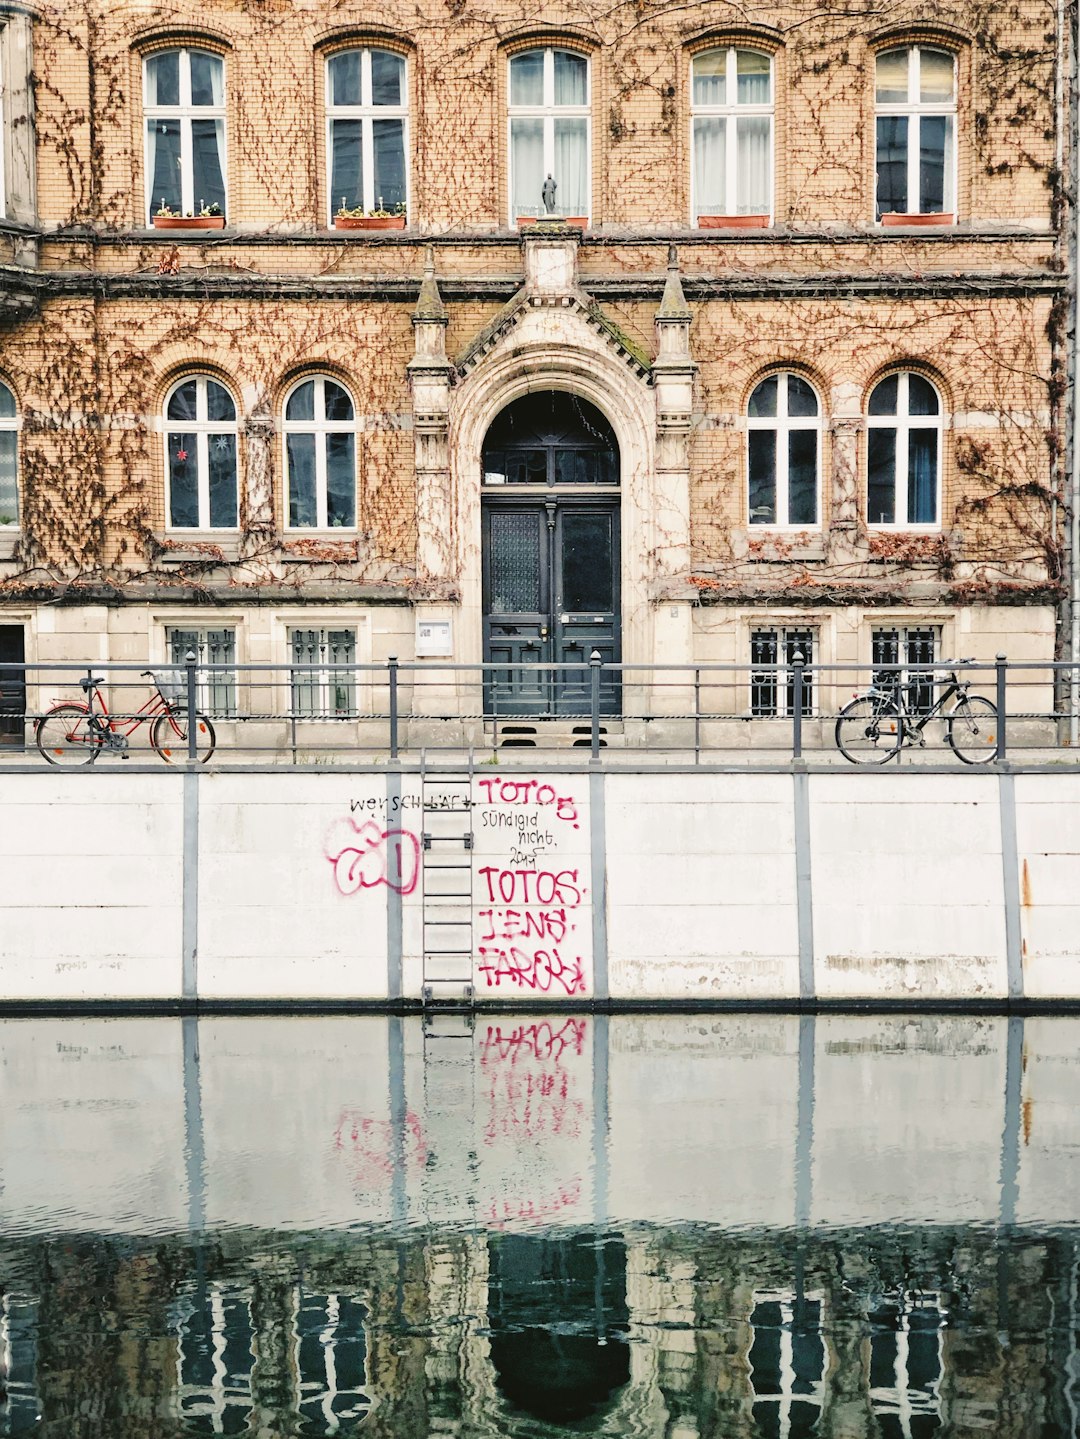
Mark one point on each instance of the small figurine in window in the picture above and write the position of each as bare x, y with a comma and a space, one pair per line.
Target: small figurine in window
548, 194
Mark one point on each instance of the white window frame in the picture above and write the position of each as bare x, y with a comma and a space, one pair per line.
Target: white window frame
782, 424
321, 677
12, 424
549, 112
365, 112
916, 110
185, 112
730, 112
215, 694
784, 676
5, 40
316, 427
204, 430
903, 422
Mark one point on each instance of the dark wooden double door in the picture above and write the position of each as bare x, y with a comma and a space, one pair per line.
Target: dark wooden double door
551, 597
12, 686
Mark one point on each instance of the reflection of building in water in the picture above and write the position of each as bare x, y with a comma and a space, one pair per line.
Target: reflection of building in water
684, 1333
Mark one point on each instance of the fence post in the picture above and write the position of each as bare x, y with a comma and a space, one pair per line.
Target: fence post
1001, 666
595, 663
392, 667
192, 731
798, 665
697, 716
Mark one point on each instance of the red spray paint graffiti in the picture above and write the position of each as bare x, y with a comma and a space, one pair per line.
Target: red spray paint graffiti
530, 947
360, 856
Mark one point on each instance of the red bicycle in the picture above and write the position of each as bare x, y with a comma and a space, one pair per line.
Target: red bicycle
74, 734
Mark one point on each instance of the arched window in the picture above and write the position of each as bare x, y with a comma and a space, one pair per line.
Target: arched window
367, 118
320, 456
784, 448
9, 458
184, 103
549, 132
200, 449
732, 108
916, 117
903, 452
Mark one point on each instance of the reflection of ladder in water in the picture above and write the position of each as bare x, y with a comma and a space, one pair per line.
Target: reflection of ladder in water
446, 873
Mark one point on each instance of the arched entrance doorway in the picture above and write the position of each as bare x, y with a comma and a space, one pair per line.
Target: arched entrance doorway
550, 487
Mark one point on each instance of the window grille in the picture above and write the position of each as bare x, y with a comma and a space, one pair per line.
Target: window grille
215, 689
911, 648
772, 692
329, 690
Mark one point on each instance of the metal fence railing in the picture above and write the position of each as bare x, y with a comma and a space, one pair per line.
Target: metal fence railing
333, 712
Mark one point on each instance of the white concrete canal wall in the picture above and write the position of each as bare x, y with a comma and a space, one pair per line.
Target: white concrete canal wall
667, 886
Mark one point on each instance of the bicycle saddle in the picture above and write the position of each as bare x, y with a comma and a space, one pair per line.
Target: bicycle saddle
91, 682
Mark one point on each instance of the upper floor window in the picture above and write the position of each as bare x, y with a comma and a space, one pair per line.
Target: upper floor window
367, 116
320, 456
184, 102
916, 121
9, 458
200, 447
732, 106
784, 427
549, 133
903, 452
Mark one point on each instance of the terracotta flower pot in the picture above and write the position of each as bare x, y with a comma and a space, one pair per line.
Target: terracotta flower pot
189, 222
733, 222
892, 218
581, 221
369, 222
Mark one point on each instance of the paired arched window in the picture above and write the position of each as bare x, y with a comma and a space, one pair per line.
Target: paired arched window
367, 119
320, 456
549, 133
732, 119
916, 118
184, 107
9, 458
784, 447
200, 449
903, 452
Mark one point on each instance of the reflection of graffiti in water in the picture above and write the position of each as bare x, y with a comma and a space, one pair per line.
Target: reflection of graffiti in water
507, 1211
360, 854
532, 1074
367, 1146
536, 1041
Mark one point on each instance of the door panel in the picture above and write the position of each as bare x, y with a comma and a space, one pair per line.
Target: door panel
12, 686
586, 612
517, 607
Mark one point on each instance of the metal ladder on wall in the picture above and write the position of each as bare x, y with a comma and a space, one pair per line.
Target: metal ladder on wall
446, 870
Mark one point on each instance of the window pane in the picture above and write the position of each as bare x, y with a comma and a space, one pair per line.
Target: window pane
340, 481
336, 401
762, 477
763, 401
207, 144
572, 167
802, 477
763, 651
922, 397
300, 452
389, 143
752, 83
301, 404
752, 141
387, 78
801, 399
892, 151
7, 403
527, 78
346, 165
219, 405
527, 165
587, 572
710, 156
183, 400
881, 477
883, 400
935, 161
571, 79
9, 489
937, 77
163, 160
222, 481
515, 564
922, 477
183, 481
163, 79
345, 78
207, 79
710, 78
892, 77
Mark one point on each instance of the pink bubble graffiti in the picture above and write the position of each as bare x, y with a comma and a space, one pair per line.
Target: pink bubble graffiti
359, 855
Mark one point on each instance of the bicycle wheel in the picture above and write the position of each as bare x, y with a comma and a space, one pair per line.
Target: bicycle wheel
169, 737
869, 731
67, 736
973, 730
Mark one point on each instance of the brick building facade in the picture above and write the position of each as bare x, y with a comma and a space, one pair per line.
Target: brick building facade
779, 366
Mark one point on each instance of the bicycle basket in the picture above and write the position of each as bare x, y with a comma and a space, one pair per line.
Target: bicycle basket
173, 686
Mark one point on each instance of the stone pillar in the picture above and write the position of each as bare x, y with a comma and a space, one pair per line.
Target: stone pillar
844, 537
550, 252
429, 380
259, 473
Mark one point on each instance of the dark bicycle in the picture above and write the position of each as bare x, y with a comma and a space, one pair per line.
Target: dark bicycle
876, 725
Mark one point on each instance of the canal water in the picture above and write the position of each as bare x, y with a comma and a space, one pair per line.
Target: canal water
676, 1226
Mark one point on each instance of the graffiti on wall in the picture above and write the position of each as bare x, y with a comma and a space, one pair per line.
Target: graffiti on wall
368, 854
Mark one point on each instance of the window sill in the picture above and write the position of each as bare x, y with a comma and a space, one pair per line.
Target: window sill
320, 547
917, 221
765, 544
580, 222
204, 547
188, 222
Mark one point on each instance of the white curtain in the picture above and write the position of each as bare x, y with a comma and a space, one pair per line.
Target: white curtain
752, 142
710, 166
527, 164
572, 166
